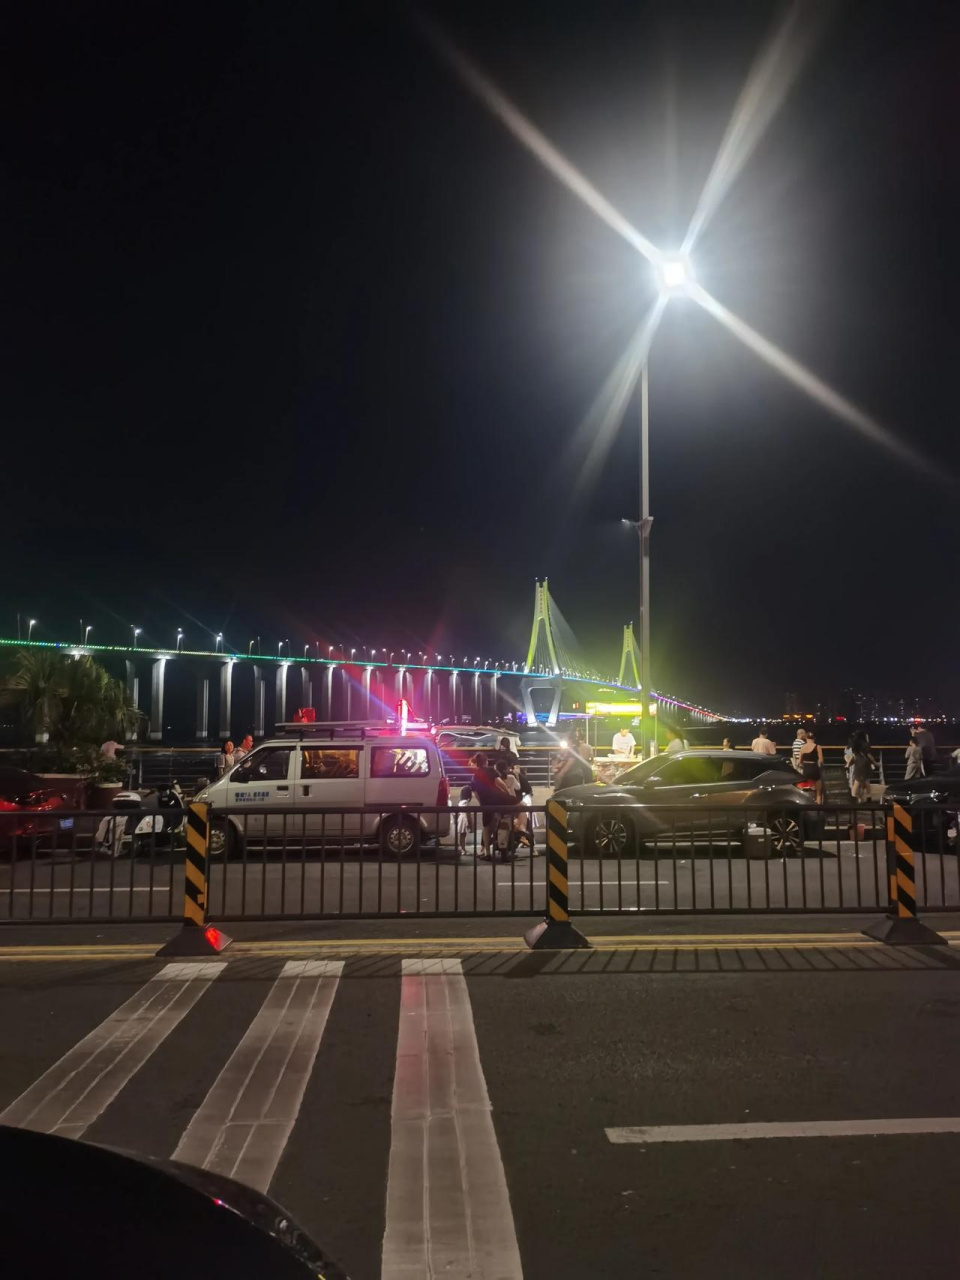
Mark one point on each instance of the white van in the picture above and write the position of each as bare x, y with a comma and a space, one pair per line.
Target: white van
320, 769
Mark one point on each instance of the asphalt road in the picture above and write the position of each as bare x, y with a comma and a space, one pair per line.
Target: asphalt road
842, 876
569, 1046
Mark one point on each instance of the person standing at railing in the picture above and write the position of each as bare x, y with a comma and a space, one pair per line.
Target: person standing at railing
762, 743
798, 742
914, 759
811, 763
928, 747
675, 742
226, 759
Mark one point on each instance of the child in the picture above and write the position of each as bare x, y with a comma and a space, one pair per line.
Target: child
464, 824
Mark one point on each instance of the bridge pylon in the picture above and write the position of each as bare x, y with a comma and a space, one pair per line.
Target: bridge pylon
629, 655
541, 618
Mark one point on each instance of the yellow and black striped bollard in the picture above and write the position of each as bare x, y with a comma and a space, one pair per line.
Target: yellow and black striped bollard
900, 926
196, 937
556, 931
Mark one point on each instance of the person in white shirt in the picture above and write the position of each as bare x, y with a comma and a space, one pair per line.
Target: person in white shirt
762, 744
624, 743
675, 742
798, 744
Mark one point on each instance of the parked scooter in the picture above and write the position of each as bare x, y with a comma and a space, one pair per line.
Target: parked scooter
157, 819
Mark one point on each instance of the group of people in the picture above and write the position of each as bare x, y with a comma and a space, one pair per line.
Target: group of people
231, 755
502, 790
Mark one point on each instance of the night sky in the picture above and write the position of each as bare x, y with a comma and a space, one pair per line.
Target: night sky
297, 339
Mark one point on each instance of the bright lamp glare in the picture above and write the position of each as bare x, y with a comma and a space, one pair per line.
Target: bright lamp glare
674, 275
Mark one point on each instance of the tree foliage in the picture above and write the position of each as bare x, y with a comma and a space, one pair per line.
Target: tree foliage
74, 701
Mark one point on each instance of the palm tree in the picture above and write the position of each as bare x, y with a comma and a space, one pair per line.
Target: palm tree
68, 701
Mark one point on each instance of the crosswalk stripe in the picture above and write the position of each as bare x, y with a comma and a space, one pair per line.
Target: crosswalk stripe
448, 1207
246, 1119
69, 1096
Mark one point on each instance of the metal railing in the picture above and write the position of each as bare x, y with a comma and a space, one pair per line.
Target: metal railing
366, 863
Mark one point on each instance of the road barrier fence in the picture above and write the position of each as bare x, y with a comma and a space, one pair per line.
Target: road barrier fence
289, 862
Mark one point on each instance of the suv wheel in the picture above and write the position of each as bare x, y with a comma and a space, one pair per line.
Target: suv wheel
611, 836
786, 836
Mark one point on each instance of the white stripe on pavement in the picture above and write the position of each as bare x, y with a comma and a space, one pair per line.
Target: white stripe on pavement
448, 1208
788, 1129
76, 1090
247, 1117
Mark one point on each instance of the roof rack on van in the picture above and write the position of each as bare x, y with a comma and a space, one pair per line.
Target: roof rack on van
335, 728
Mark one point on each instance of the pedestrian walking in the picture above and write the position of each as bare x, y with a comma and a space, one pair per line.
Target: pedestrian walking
798, 742
226, 759
762, 743
811, 763
914, 755
861, 765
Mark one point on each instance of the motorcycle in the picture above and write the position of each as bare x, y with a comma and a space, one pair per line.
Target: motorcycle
144, 822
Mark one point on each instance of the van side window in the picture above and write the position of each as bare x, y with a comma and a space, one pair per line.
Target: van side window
269, 764
399, 762
329, 762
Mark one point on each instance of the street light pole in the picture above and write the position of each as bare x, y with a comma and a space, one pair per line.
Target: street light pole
646, 520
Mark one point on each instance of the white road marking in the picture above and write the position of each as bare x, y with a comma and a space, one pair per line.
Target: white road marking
76, 1090
788, 1129
246, 1119
448, 1208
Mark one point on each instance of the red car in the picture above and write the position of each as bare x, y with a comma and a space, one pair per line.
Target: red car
27, 808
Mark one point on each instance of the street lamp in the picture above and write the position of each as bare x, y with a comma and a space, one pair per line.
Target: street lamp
136, 631
280, 644
305, 648
179, 644
674, 278
86, 632
218, 641
352, 652
32, 622
329, 652
250, 649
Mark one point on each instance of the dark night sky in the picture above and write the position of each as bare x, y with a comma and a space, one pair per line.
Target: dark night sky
297, 339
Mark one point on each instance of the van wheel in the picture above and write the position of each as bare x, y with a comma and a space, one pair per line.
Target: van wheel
399, 836
224, 841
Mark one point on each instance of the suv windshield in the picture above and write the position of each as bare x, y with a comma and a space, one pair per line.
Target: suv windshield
640, 772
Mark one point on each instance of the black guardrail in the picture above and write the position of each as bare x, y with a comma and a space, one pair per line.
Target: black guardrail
358, 863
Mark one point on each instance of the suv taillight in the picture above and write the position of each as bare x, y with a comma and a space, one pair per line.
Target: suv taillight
443, 793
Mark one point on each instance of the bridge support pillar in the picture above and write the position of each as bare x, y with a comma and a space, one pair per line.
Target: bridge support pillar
157, 676
133, 693
259, 702
306, 687
280, 705
226, 700
202, 725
